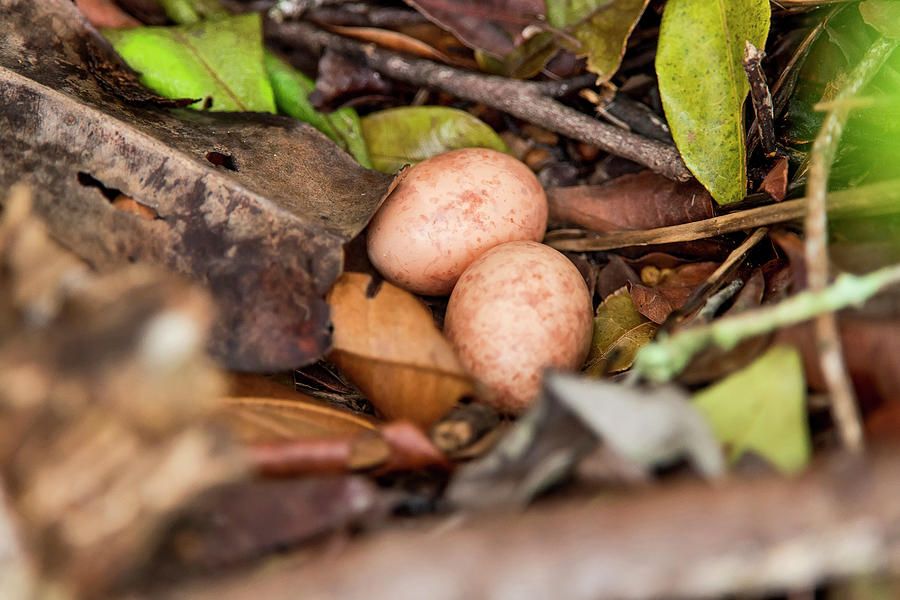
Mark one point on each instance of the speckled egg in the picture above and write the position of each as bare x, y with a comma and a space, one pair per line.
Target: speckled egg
520, 308
447, 211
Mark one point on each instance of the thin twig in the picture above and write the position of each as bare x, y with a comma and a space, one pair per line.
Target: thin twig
526, 100
761, 96
876, 199
824, 150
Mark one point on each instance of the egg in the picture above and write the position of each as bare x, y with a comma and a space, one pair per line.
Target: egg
447, 211
520, 308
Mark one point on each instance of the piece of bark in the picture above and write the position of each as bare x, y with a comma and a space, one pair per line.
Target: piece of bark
105, 395
755, 537
264, 236
642, 200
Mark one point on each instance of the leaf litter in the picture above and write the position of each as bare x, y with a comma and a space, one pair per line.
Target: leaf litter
387, 457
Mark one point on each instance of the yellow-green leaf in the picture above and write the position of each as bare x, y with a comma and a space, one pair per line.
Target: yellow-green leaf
703, 86
619, 332
601, 28
762, 408
883, 15
408, 135
219, 61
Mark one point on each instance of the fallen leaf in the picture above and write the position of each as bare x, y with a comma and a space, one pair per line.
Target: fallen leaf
635, 201
619, 332
493, 26
389, 346
255, 207
871, 349
292, 89
247, 520
341, 79
883, 15
392, 40
106, 13
187, 61
703, 86
776, 180
642, 427
669, 290
523, 62
408, 135
193, 11
762, 409
601, 27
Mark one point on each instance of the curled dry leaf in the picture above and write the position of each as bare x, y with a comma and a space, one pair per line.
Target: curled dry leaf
254, 207
389, 346
668, 289
393, 40
619, 332
635, 201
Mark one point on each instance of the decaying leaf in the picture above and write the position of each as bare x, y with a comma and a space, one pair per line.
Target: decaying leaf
254, 207
635, 201
389, 346
703, 86
187, 61
645, 427
106, 13
408, 135
601, 28
494, 26
665, 290
105, 394
762, 409
619, 332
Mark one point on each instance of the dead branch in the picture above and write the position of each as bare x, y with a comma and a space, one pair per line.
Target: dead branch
690, 540
531, 101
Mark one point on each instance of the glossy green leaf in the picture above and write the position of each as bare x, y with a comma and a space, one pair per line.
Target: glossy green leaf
883, 15
601, 28
703, 85
219, 61
408, 135
762, 408
619, 332
292, 89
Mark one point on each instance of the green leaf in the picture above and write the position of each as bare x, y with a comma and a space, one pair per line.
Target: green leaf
703, 86
883, 15
762, 408
217, 60
619, 332
525, 61
292, 89
601, 28
192, 11
408, 135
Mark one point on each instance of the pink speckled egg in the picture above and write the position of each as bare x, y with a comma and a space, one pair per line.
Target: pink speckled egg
450, 209
520, 308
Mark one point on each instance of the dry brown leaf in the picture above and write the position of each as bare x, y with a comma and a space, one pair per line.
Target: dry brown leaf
106, 13
668, 289
389, 346
776, 181
635, 201
393, 40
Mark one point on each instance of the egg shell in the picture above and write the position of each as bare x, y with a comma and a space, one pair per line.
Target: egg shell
447, 211
520, 308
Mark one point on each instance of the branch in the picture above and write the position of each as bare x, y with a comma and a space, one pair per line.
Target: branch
824, 150
527, 100
750, 537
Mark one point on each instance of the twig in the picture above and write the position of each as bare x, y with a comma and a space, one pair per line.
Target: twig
745, 538
761, 96
876, 199
844, 409
523, 99
715, 279
668, 356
